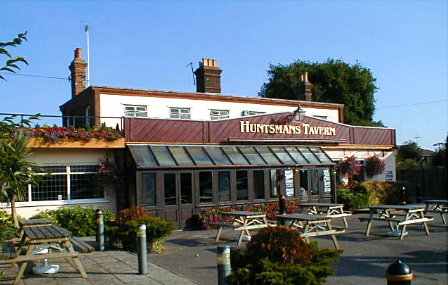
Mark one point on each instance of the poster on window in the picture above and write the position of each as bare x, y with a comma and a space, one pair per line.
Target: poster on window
327, 180
289, 182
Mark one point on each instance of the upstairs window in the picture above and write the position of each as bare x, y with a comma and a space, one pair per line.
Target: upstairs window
180, 113
219, 114
321, 117
140, 111
251, 113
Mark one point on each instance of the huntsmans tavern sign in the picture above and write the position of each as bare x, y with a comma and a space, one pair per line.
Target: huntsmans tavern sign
306, 129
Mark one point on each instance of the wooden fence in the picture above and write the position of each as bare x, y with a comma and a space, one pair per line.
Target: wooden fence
424, 183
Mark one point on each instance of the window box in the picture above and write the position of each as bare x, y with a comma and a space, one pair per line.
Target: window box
70, 143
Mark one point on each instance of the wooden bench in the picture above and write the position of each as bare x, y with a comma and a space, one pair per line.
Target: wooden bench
81, 246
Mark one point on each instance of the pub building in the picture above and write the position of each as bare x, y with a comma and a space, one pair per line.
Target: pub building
188, 151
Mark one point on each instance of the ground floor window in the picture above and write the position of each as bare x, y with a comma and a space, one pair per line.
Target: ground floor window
186, 188
224, 186
66, 183
170, 188
205, 187
259, 184
242, 185
149, 189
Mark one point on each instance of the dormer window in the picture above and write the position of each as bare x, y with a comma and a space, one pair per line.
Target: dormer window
140, 111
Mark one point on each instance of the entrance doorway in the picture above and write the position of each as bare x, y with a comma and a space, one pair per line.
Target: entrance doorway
178, 196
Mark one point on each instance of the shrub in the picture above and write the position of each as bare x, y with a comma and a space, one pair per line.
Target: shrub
353, 199
7, 229
278, 255
381, 192
80, 221
128, 222
196, 223
157, 229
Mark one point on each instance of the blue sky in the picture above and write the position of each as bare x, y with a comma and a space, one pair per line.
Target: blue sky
148, 44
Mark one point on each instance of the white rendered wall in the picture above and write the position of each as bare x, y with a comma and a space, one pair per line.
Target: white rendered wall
389, 173
47, 157
158, 107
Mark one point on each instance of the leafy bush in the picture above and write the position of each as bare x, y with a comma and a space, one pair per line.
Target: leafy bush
80, 221
196, 223
157, 229
7, 229
353, 199
278, 255
381, 192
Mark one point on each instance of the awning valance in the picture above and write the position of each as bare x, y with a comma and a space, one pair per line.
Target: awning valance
209, 156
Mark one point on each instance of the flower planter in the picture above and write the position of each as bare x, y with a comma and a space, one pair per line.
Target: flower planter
70, 143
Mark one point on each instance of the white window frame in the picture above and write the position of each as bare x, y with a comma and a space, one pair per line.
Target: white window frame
180, 113
68, 201
251, 113
133, 111
220, 114
321, 117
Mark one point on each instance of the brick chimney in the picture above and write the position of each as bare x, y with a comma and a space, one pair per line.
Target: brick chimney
78, 73
308, 93
208, 76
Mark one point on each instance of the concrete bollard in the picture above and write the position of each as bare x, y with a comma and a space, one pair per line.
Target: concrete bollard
223, 264
399, 273
99, 230
142, 250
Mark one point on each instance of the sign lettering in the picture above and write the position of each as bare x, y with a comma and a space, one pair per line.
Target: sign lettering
306, 129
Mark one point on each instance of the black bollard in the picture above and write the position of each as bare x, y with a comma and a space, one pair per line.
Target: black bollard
223, 264
99, 230
142, 250
399, 273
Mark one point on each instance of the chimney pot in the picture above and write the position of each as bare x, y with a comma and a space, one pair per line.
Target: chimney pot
78, 53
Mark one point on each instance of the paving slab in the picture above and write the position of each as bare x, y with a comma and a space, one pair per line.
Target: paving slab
103, 268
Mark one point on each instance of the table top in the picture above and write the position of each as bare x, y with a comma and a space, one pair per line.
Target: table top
436, 201
46, 232
399, 207
32, 222
243, 213
303, 217
321, 205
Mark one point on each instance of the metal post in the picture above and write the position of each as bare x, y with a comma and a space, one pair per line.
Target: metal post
142, 250
399, 273
223, 264
99, 230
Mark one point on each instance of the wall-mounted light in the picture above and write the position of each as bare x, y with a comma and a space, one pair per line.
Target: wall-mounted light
299, 113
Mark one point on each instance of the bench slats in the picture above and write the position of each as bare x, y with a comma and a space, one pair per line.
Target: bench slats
416, 221
322, 233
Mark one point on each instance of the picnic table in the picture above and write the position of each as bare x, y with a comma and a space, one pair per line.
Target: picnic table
398, 216
330, 210
437, 206
243, 221
39, 233
311, 225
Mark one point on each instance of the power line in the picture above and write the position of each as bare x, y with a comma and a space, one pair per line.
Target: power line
40, 76
413, 104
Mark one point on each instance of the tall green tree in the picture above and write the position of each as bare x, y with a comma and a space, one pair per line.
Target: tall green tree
16, 169
10, 63
334, 81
